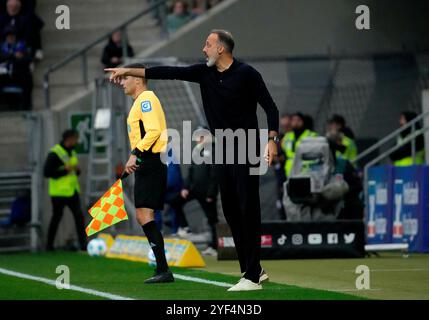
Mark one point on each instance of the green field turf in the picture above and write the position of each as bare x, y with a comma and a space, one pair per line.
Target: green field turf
126, 278
392, 277
15, 288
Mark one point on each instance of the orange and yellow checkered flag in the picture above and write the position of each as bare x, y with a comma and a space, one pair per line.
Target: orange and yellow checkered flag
108, 210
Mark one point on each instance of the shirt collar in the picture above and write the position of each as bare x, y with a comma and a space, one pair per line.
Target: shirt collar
231, 67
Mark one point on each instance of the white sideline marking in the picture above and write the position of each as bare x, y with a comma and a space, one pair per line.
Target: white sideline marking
106, 294
353, 290
72, 287
391, 270
194, 279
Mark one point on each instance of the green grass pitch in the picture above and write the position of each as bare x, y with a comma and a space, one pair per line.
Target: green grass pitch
290, 279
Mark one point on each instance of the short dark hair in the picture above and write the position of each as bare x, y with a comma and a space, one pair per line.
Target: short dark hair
69, 133
137, 65
409, 115
338, 119
299, 115
308, 122
225, 38
184, 4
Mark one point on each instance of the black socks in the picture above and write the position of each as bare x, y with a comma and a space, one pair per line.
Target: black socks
157, 244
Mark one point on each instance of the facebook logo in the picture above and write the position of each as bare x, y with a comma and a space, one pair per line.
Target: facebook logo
332, 238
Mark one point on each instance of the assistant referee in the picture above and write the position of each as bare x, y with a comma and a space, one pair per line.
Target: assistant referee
230, 91
146, 127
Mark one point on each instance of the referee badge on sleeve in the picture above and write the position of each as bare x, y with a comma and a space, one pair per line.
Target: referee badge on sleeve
146, 106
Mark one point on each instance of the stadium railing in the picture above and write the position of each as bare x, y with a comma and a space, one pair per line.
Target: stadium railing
388, 141
82, 53
21, 173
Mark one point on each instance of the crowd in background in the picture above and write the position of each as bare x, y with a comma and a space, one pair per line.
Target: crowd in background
294, 129
179, 12
182, 12
20, 45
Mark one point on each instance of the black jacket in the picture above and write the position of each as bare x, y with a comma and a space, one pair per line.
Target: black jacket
230, 97
406, 150
112, 50
202, 180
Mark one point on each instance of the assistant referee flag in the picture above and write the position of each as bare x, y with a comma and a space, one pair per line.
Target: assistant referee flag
108, 210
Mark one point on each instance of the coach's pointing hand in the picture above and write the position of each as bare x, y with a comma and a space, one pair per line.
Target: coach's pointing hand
116, 74
131, 165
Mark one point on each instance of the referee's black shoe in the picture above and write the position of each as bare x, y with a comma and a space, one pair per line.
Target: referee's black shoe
161, 277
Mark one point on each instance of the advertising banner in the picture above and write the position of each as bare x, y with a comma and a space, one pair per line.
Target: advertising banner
378, 218
283, 240
411, 207
179, 252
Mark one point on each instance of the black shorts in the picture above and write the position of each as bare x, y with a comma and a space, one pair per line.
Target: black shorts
150, 183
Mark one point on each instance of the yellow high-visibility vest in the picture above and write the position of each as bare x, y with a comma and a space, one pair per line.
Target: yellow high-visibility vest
350, 153
408, 161
67, 185
287, 144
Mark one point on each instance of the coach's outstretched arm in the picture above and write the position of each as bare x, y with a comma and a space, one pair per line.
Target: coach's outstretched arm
190, 73
117, 74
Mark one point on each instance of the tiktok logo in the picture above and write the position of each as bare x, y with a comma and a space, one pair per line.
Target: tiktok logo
282, 240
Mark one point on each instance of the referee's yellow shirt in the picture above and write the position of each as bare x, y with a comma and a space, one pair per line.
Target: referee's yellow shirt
146, 124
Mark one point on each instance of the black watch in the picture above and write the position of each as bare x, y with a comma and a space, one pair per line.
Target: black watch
275, 139
137, 153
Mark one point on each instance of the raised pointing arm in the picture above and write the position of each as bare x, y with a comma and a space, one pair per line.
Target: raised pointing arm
190, 73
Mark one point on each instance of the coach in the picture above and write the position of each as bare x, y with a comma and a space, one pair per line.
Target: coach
230, 91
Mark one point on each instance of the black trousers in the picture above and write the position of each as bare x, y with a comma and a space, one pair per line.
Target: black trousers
241, 206
209, 208
58, 205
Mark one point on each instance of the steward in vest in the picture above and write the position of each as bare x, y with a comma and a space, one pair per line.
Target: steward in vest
61, 167
292, 139
344, 137
403, 155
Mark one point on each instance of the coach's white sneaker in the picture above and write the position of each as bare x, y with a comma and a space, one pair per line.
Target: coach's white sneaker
245, 285
263, 276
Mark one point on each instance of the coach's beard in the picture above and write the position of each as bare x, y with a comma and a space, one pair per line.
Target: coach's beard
211, 61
